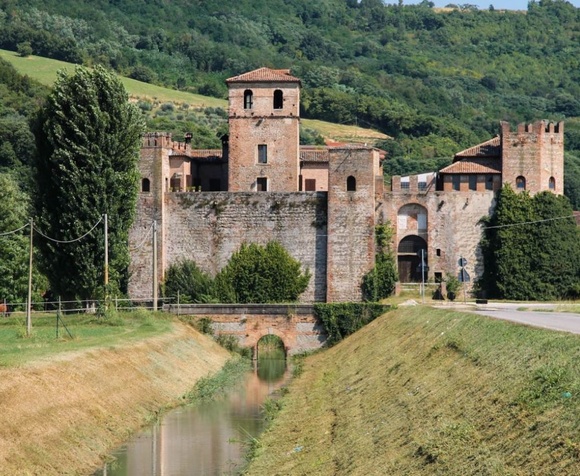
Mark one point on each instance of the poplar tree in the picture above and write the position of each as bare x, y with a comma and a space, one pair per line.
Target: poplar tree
88, 138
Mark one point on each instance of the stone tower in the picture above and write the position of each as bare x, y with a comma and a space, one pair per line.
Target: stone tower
533, 157
264, 121
352, 185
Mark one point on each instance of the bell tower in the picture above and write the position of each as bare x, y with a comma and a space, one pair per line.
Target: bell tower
264, 122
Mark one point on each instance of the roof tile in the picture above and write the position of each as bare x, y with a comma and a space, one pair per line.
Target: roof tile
473, 166
490, 148
264, 74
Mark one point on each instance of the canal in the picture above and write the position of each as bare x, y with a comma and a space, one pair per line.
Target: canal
206, 439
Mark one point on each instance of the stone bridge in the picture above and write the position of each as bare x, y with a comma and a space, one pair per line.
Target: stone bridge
295, 325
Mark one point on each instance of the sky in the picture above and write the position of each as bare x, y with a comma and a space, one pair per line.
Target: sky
483, 4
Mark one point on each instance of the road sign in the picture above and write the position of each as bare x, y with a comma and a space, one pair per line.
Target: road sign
463, 276
462, 262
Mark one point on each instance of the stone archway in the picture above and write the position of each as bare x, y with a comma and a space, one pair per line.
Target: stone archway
409, 258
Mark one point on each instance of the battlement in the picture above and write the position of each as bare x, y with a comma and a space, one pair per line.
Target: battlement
538, 127
164, 140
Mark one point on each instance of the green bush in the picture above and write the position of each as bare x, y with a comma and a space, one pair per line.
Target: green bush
258, 274
342, 319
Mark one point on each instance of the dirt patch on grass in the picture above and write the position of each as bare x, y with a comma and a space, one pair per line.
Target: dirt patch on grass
60, 417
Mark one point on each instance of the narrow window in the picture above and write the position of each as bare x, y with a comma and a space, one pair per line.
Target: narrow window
310, 185
552, 183
300, 183
520, 183
438, 251
262, 154
422, 185
262, 184
456, 182
473, 182
278, 99
145, 185
248, 99
351, 184
438, 277
489, 182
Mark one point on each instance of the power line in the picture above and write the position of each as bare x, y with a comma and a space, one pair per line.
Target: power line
144, 239
69, 241
529, 222
14, 231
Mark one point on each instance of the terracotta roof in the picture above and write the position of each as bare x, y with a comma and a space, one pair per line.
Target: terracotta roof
490, 148
264, 74
473, 166
202, 153
314, 155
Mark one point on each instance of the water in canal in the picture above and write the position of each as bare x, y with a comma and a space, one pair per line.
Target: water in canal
205, 439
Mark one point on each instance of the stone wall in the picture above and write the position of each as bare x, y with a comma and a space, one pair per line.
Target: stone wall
452, 226
209, 227
535, 152
351, 221
277, 129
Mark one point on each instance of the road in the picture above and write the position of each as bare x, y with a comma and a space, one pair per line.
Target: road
559, 321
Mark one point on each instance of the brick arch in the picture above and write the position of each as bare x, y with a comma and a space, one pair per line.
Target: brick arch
412, 219
254, 336
409, 258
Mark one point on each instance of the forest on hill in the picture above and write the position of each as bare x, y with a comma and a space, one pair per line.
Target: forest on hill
437, 81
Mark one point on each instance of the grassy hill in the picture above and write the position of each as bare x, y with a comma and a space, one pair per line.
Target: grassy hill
44, 70
432, 392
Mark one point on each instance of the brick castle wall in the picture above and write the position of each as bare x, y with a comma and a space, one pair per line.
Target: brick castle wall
452, 226
209, 227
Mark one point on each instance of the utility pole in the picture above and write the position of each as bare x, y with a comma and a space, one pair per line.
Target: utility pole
155, 265
422, 275
106, 253
29, 304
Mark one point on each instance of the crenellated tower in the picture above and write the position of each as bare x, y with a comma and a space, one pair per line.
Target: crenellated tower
264, 121
533, 156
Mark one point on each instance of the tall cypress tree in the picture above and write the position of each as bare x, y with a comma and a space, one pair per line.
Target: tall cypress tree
88, 139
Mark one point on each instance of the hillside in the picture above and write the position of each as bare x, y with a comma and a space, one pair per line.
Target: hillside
421, 391
436, 80
44, 70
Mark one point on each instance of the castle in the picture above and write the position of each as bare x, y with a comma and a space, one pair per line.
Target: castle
321, 203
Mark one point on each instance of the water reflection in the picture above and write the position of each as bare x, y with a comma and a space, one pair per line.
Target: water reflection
207, 439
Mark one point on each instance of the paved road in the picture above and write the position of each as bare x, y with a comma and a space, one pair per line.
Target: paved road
559, 321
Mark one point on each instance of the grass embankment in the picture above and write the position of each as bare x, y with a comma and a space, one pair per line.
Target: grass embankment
67, 403
423, 391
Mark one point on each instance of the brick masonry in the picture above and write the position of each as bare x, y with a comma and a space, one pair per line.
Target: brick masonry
209, 227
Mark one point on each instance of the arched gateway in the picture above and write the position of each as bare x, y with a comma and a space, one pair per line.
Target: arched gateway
409, 258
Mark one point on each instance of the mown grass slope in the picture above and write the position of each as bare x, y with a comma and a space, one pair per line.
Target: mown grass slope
421, 391
70, 403
44, 70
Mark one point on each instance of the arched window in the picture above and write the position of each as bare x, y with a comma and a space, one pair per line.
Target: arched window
248, 99
521, 183
278, 99
552, 183
145, 185
351, 184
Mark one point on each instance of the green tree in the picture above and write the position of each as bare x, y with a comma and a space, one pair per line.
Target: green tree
192, 283
379, 283
14, 247
258, 274
530, 252
88, 139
